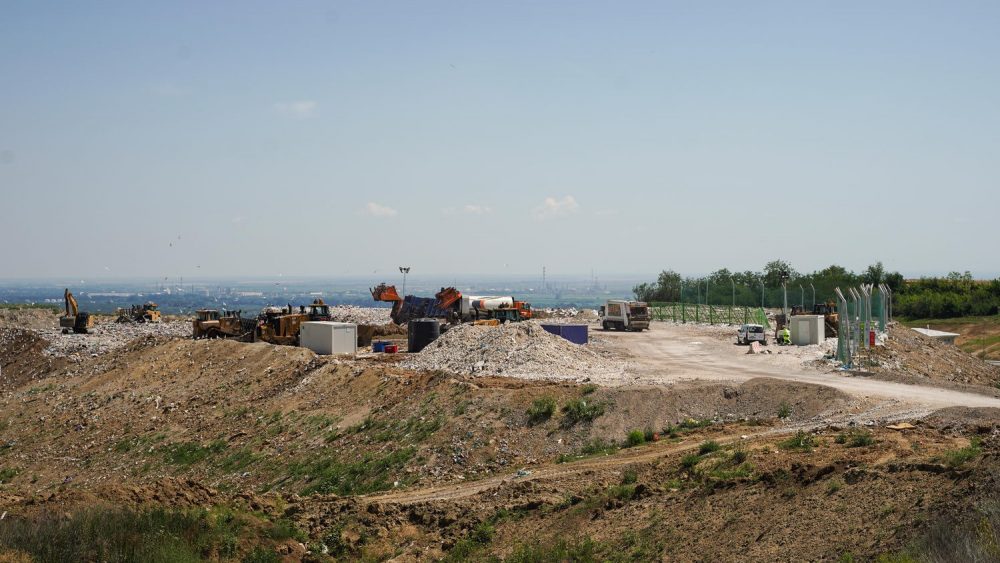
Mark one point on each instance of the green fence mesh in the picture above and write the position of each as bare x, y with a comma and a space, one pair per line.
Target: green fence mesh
710, 314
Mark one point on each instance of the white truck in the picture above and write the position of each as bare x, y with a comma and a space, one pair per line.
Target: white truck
624, 315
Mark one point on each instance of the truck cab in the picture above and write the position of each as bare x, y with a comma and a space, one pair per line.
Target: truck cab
624, 315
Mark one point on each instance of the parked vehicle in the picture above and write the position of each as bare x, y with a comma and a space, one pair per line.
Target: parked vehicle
624, 315
751, 333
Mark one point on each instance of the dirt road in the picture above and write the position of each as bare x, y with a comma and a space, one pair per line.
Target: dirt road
669, 353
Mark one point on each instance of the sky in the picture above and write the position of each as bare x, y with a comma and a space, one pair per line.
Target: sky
347, 138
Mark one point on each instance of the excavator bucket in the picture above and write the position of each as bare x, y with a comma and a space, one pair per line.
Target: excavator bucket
447, 297
383, 292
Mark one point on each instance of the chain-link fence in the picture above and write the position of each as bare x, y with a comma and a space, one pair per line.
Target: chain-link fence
709, 314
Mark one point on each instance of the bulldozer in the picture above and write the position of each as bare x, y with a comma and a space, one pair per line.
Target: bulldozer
148, 312
212, 323
76, 320
280, 325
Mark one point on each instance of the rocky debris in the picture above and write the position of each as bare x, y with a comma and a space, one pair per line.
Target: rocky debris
571, 315
108, 337
360, 315
909, 353
522, 350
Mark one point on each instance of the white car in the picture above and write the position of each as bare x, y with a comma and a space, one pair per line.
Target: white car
750, 333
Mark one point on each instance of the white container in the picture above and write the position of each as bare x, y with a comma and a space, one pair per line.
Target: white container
807, 329
326, 337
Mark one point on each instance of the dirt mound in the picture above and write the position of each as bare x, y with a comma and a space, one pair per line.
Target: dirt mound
909, 353
514, 350
29, 318
965, 419
22, 357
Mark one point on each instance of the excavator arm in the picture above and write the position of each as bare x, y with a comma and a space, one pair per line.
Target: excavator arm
71, 306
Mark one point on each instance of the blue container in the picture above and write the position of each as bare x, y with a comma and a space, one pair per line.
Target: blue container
577, 334
554, 329
379, 346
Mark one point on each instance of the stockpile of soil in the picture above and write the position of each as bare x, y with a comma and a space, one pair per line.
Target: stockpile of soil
29, 317
22, 357
523, 350
907, 352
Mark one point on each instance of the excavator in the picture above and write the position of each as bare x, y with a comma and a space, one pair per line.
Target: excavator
76, 320
451, 305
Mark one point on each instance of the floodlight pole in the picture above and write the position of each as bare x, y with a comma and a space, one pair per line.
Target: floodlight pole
404, 270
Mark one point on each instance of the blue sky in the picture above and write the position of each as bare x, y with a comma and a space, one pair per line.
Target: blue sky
308, 138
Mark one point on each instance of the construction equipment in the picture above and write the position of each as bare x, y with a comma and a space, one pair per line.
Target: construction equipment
624, 315
76, 320
148, 312
451, 305
280, 325
831, 320
211, 323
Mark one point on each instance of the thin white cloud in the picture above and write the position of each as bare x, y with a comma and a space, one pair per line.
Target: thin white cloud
298, 109
375, 210
553, 207
469, 209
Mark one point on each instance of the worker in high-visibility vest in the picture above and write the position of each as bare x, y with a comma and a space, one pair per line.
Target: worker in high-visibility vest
786, 336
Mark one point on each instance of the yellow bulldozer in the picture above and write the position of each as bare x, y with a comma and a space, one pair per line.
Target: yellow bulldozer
148, 312
212, 323
76, 320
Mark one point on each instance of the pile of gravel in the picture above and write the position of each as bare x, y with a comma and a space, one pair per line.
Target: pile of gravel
522, 350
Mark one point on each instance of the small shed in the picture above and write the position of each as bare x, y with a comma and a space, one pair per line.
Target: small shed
327, 337
806, 329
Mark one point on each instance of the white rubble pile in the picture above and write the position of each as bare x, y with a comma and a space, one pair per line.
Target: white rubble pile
568, 316
522, 350
361, 315
107, 337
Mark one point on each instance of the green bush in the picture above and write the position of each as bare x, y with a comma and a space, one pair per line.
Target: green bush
800, 441
690, 460
784, 410
739, 456
959, 457
577, 551
588, 388
541, 409
579, 410
860, 439
707, 447
635, 438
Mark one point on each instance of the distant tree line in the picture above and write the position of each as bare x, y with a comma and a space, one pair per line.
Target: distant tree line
951, 296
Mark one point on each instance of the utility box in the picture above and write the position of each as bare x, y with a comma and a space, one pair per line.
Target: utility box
327, 337
807, 329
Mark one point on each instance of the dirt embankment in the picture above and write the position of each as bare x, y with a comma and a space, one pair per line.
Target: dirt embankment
911, 357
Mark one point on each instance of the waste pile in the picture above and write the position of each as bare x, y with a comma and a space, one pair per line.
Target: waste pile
360, 315
107, 337
522, 349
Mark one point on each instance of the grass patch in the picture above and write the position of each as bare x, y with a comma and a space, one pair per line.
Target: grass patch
327, 474
239, 459
800, 442
189, 453
588, 388
708, 446
592, 448
833, 486
958, 458
541, 409
7, 474
675, 430
690, 461
578, 551
116, 534
579, 410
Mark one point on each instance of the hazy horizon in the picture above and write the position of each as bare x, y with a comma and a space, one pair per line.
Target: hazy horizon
228, 140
